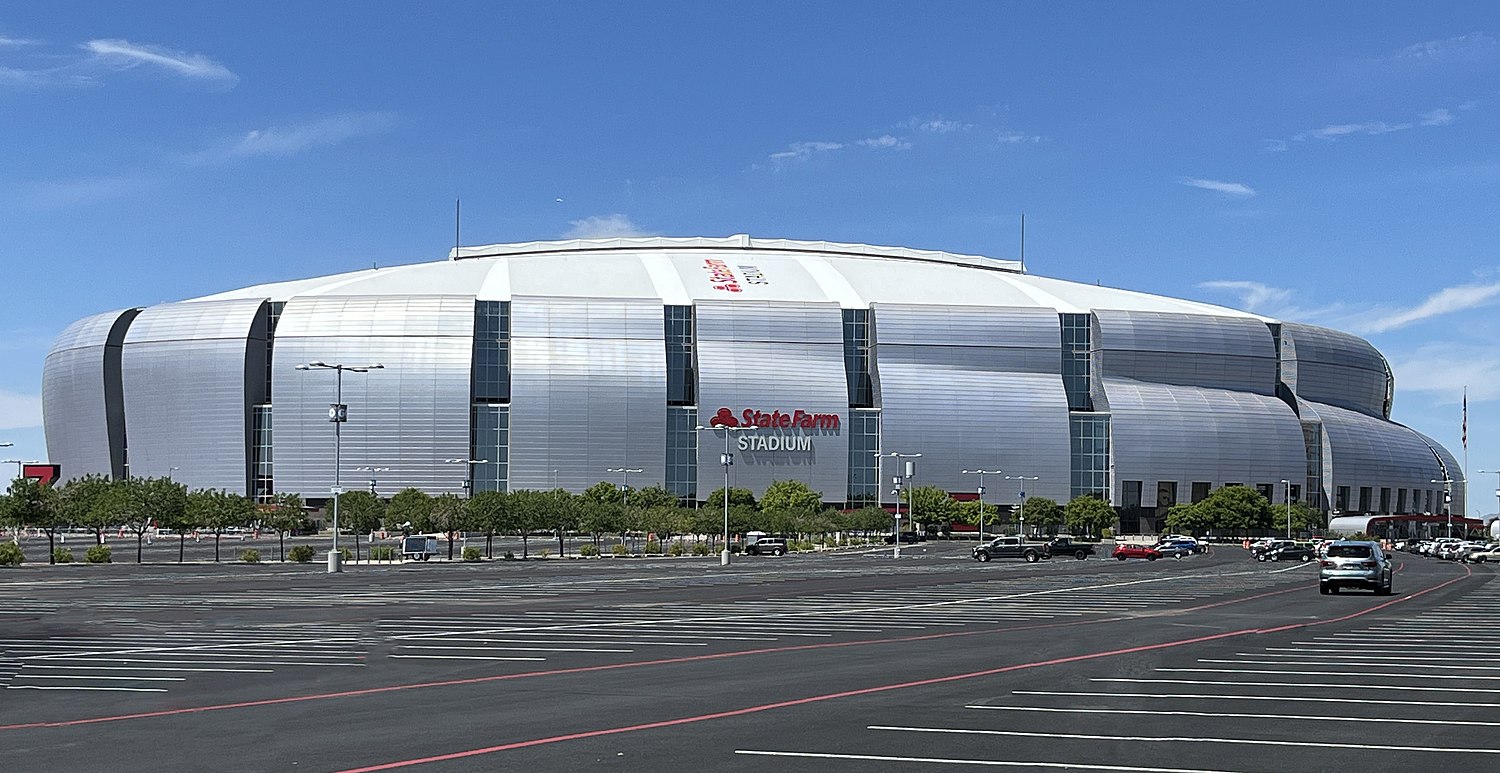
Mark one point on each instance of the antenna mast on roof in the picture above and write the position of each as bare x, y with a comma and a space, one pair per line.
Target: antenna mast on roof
457, 212
1023, 242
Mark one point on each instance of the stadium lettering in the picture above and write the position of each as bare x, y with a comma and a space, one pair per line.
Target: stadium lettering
798, 419
721, 276
775, 443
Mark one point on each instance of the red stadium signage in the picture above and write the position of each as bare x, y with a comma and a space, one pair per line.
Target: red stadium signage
777, 419
45, 474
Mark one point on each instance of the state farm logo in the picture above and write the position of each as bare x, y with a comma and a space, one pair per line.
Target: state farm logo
721, 276
775, 419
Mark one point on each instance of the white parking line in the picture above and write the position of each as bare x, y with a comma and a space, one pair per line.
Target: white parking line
99, 689
461, 657
1188, 739
1222, 697
504, 649
1303, 685
92, 667
1344, 663
1284, 672
1226, 715
24, 675
985, 763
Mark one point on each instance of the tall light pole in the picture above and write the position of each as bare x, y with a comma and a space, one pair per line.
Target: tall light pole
624, 484
1447, 482
1022, 515
372, 471
981, 474
726, 459
20, 465
1288, 485
1497, 488
901, 481
468, 473
338, 413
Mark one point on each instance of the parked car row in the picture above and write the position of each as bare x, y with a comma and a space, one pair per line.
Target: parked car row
1452, 549
1287, 550
1170, 546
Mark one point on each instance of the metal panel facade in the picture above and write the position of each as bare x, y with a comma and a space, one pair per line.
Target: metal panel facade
1166, 432
187, 392
82, 409
588, 391
771, 356
1338, 369
1187, 349
1374, 453
971, 387
410, 417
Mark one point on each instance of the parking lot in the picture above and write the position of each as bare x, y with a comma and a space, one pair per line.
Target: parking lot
803, 662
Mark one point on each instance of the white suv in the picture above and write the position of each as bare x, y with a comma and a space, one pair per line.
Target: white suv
1351, 564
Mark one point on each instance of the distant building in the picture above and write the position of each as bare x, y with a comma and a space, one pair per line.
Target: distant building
555, 361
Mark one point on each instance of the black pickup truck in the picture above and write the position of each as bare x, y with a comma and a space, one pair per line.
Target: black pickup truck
1032, 552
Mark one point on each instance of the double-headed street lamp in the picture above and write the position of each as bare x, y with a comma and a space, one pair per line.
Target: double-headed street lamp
338, 413
900, 481
726, 459
1497, 488
1288, 486
624, 484
981, 474
1022, 516
1447, 482
468, 473
20, 464
372, 471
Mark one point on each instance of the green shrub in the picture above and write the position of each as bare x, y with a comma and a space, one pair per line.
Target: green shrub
652, 546
301, 553
98, 554
619, 549
543, 553
700, 549
10, 554
677, 549
382, 553
63, 556
1106, 533
510, 555
588, 550
250, 556
472, 554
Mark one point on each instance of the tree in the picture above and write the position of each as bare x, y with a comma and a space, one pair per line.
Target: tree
558, 513
1305, 518
867, 519
138, 502
83, 504
183, 521
219, 511
31, 503
450, 515
1042, 513
1186, 518
490, 510
285, 514
361, 512
527, 508
738, 497
410, 510
973, 510
654, 496
1235, 507
1089, 515
929, 504
791, 496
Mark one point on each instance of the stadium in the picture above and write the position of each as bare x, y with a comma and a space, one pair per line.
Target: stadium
559, 364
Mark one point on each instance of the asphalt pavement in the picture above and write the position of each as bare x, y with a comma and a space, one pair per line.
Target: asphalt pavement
838, 661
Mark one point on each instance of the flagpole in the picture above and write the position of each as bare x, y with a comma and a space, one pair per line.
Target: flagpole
1466, 450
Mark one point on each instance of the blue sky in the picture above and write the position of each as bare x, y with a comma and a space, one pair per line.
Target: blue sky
1334, 163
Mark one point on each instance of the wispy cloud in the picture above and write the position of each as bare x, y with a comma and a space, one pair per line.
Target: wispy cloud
602, 227
942, 126
20, 411
1336, 131
1240, 190
1278, 302
1445, 301
1444, 369
801, 151
1009, 137
1438, 117
122, 54
885, 142
88, 63
281, 141
59, 194
1475, 45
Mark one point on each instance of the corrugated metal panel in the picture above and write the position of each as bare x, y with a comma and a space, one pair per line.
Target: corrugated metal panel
1192, 434
1372, 452
1338, 369
411, 416
1450, 463
772, 356
82, 411
974, 388
588, 391
186, 388
1188, 349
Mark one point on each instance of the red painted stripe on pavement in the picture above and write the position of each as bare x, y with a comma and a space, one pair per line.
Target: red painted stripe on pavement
879, 689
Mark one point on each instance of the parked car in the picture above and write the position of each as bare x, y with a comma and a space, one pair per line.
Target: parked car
1293, 552
907, 537
1266, 546
773, 546
1010, 547
1487, 554
1124, 551
1065, 546
1178, 548
1352, 564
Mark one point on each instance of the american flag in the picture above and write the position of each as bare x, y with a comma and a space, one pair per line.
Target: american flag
1466, 419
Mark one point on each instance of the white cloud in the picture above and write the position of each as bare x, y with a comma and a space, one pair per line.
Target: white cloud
54, 194
1445, 369
1438, 117
1253, 295
281, 141
1014, 137
1274, 146
13, 42
941, 126
1475, 45
602, 227
801, 151
18, 411
1219, 186
1334, 131
1445, 301
122, 54
885, 142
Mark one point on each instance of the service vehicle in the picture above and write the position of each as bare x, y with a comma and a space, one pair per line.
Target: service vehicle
1355, 564
418, 547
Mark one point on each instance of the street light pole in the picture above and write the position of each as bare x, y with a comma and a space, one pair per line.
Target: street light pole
726, 459
1022, 515
981, 474
1447, 482
20, 465
338, 413
1288, 486
372, 471
902, 480
1497, 489
625, 491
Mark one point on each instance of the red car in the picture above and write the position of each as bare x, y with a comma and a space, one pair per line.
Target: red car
1123, 552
